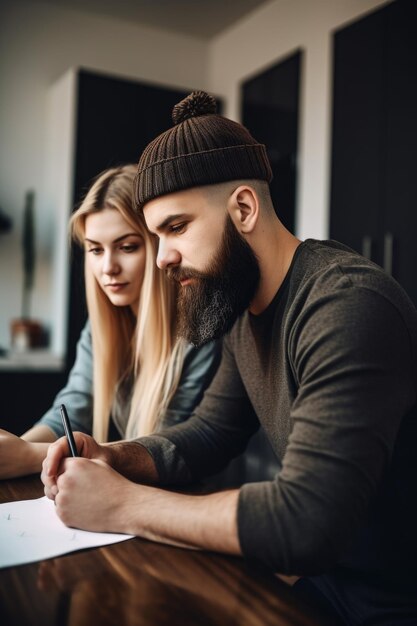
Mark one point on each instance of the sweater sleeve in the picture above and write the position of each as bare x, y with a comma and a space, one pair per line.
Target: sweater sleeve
200, 365
77, 395
352, 359
219, 430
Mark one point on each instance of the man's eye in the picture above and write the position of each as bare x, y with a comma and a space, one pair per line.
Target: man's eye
178, 228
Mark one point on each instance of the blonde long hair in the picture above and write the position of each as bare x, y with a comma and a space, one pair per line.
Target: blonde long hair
123, 346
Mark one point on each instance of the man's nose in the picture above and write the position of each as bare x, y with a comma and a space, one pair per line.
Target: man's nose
167, 256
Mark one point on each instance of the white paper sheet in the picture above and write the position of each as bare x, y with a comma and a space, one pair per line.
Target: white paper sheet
30, 530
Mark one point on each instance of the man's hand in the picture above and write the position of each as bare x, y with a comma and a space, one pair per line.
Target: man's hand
52, 465
91, 495
128, 458
19, 457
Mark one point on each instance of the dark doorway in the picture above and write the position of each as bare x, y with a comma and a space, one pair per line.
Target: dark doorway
270, 110
116, 119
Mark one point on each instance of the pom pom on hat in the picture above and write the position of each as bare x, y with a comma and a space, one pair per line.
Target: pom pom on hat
196, 104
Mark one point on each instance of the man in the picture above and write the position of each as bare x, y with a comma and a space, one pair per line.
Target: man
320, 349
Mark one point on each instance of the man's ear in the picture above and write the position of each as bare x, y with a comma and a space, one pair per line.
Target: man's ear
243, 208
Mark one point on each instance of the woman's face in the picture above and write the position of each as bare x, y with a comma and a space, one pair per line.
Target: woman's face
116, 255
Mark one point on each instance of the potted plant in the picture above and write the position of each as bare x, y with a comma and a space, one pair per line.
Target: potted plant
27, 333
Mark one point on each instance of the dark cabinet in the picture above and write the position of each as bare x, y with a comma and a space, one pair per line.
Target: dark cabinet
373, 176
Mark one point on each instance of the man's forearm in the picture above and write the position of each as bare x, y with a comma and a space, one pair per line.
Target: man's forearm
192, 521
133, 461
208, 522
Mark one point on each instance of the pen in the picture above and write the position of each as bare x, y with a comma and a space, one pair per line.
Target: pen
68, 430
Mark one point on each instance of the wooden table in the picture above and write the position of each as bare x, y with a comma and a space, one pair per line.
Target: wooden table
138, 583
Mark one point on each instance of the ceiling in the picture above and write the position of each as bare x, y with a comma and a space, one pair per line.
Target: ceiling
199, 18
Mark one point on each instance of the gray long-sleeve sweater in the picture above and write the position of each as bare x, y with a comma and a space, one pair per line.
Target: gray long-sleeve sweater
329, 370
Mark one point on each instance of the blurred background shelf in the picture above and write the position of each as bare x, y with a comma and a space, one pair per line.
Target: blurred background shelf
37, 359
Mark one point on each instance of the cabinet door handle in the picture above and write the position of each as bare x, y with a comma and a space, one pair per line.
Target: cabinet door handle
367, 247
388, 252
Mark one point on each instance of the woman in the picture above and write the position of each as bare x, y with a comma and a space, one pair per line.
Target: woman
128, 360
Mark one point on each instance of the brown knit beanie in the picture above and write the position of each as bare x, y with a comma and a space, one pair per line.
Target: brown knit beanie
202, 148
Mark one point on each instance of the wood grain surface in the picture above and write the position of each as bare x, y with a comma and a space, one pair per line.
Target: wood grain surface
138, 583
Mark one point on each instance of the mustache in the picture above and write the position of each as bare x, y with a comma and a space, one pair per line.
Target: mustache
179, 274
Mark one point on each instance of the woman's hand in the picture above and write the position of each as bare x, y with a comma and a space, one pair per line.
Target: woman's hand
19, 457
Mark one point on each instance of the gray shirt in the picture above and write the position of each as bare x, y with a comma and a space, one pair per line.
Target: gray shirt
198, 370
329, 370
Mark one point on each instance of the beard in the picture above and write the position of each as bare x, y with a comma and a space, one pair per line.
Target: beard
209, 306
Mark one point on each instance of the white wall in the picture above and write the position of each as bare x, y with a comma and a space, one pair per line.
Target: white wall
273, 32
38, 43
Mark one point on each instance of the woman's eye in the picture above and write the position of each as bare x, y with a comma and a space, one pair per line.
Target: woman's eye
129, 247
95, 251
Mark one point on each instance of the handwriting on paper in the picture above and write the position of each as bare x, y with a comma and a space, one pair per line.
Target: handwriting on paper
30, 530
